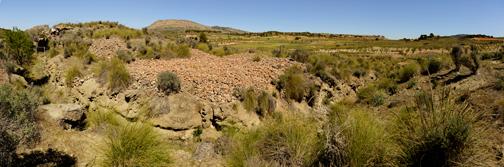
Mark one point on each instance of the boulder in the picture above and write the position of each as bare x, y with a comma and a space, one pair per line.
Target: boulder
17, 78
65, 112
183, 113
204, 150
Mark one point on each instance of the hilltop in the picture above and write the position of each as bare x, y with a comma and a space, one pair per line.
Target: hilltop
184, 25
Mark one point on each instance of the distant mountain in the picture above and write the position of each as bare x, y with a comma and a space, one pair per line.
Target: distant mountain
228, 30
184, 25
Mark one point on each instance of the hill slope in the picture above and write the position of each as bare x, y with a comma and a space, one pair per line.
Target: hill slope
183, 25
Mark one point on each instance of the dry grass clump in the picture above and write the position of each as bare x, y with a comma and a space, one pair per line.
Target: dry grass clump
407, 72
113, 72
71, 74
285, 141
439, 132
133, 145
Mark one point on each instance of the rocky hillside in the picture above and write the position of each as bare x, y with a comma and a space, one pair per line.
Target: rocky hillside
183, 25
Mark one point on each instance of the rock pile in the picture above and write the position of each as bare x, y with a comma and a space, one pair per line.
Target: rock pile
107, 47
211, 77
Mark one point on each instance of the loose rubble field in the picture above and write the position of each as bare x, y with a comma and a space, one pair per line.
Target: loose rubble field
211, 77
107, 47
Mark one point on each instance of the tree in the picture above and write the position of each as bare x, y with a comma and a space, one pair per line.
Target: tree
431, 35
203, 38
413, 50
19, 46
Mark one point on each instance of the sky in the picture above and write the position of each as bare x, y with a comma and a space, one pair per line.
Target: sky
394, 19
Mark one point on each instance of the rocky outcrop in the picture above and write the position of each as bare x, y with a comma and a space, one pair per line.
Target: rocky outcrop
183, 113
66, 112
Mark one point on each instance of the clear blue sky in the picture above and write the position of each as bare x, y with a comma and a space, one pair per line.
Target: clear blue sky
392, 18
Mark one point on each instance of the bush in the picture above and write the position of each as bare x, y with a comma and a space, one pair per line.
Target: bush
407, 72
256, 58
128, 44
124, 55
19, 46
18, 121
168, 82
71, 74
434, 66
411, 84
114, 73
456, 54
300, 55
134, 145
203, 47
183, 51
203, 38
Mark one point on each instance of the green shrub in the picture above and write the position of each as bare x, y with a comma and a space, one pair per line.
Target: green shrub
326, 101
435, 83
134, 145
168, 82
203, 47
128, 44
219, 52
256, 58
300, 55
434, 66
124, 55
114, 73
18, 121
359, 72
407, 72
411, 84
71, 74
283, 141
371, 95
183, 51
250, 99
198, 131
203, 38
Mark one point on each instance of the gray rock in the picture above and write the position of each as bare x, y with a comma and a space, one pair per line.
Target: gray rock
204, 150
183, 114
66, 112
18, 78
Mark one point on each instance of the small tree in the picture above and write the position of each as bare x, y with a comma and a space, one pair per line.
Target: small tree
19, 46
203, 38
413, 50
